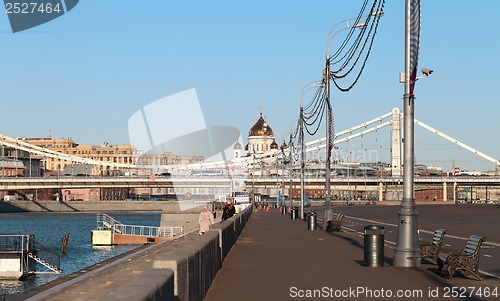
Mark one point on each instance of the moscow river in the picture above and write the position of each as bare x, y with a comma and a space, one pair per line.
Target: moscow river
49, 229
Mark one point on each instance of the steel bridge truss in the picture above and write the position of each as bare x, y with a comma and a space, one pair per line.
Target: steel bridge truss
360, 130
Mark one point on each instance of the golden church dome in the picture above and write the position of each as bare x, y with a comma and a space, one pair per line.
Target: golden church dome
274, 145
261, 128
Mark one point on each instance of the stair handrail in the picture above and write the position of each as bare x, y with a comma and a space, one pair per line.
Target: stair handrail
106, 222
51, 257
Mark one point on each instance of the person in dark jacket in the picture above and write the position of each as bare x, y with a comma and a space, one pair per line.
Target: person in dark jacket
229, 210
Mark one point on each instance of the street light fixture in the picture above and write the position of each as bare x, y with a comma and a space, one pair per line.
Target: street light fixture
283, 147
307, 87
330, 38
346, 21
290, 154
326, 78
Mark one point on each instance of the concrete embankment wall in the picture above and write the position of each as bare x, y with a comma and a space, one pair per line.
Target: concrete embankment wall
80, 206
178, 270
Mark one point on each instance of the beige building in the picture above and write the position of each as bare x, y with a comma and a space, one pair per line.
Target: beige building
120, 154
123, 154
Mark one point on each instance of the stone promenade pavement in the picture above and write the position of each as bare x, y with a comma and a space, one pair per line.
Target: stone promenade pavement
277, 258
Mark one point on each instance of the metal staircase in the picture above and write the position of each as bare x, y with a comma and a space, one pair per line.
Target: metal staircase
46, 264
45, 256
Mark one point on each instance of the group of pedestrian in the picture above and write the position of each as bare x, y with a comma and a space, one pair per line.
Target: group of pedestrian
206, 217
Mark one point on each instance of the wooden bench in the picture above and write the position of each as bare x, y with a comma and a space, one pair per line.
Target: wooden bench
336, 223
466, 260
430, 251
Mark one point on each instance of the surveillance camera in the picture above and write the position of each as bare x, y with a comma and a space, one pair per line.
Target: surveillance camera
427, 72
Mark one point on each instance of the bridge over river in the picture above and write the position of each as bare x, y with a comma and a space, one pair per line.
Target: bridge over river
486, 188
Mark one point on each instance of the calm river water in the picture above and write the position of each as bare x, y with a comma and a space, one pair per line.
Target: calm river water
49, 229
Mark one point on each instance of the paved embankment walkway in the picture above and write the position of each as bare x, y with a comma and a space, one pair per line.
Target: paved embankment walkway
276, 258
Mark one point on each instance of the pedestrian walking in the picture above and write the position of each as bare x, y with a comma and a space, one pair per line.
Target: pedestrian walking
229, 210
205, 219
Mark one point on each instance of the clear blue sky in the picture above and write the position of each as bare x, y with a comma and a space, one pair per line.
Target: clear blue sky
84, 74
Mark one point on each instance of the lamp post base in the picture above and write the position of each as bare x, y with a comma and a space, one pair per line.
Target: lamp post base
407, 253
328, 215
406, 259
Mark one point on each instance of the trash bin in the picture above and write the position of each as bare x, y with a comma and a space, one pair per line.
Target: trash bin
374, 245
294, 212
311, 220
283, 209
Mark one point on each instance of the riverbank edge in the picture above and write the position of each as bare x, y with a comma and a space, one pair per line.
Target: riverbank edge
181, 256
160, 206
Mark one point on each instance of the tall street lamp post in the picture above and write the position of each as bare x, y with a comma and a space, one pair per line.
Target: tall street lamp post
406, 253
290, 155
253, 181
307, 87
283, 148
326, 78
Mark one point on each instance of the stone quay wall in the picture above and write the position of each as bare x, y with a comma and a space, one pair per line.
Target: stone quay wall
177, 270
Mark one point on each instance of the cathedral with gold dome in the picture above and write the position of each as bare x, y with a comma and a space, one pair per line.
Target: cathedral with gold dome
261, 138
